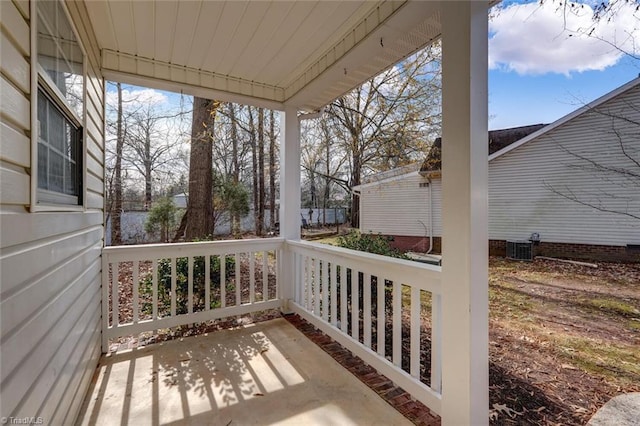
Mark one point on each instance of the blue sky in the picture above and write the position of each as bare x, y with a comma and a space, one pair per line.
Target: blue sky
543, 66
516, 100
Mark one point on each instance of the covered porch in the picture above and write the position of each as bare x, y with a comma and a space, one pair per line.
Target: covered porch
265, 373
388, 312
359, 300
62, 294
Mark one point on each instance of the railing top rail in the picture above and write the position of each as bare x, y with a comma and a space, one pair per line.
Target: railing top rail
425, 276
200, 248
361, 255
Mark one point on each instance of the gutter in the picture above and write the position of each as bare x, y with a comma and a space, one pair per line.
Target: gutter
311, 115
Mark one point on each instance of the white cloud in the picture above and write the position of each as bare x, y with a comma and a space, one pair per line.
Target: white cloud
131, 98
536, 38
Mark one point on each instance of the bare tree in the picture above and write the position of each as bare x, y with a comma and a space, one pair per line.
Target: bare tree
116, 210
311, 160
254, 165
327, 171
272, 170
235, 171
151, 146
389, 120
260, 174
605, 11
323, 164
119, 113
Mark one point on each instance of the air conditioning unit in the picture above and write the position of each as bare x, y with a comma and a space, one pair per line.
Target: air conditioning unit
520, 250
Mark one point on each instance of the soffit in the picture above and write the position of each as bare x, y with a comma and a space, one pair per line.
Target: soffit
304, 53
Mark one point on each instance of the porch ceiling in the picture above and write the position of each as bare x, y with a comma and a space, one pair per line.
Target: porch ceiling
262, 52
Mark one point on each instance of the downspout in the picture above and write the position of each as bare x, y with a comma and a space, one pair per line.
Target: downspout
430, 218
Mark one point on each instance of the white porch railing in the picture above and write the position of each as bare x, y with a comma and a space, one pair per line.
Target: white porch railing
373, 305
149, 287
360, 300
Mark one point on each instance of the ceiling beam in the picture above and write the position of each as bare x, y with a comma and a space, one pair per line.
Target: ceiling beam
131, 69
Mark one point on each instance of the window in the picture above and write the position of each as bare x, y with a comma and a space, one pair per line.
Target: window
60, 99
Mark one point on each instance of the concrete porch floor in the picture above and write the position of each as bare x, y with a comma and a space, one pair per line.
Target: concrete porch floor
264, 373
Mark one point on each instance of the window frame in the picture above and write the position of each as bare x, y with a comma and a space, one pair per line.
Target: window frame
43, 200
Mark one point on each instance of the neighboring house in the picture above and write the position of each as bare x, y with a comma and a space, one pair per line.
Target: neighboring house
180, 200
573, 182
131, 228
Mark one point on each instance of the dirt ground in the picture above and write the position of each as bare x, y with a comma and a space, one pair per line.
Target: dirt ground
564, 339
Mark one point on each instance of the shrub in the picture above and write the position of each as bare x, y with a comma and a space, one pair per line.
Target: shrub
162, 218
182, 283
377, 244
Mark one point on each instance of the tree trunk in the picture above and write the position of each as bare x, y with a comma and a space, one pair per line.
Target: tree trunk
235, 218
327, 173
355, 200
181, 228
116, 213
199, 223
254, 168
147, 169
272, 171
312, 190
261, 196
355, 211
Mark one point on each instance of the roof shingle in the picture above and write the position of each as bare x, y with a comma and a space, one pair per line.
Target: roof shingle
498, 139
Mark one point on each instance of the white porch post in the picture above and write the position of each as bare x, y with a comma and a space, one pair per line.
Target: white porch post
289, 194
465, 363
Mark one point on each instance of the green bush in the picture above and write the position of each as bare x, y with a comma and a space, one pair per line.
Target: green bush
162, 218
182, 283
377, 244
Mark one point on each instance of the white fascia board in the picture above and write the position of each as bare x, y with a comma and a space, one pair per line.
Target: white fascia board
588, 107
387, 180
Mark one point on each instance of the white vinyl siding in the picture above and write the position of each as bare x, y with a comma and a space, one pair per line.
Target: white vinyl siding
524, 185
49, 261
522, 182
400, 207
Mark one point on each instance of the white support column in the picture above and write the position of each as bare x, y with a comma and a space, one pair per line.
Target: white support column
289, 195
465, 348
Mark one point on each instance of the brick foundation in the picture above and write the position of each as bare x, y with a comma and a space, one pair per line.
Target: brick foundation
418, 244
591, 252
574, 251
497, 248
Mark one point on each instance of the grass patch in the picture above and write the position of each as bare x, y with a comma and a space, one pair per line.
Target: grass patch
618, 363
506, 301
614, 306
332, 241
585, 318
